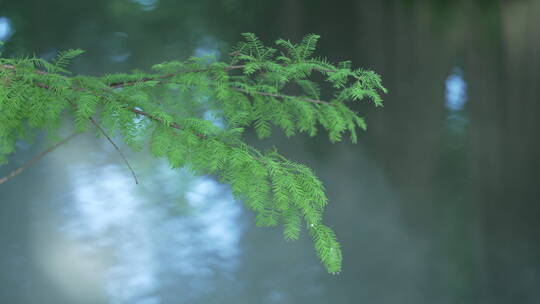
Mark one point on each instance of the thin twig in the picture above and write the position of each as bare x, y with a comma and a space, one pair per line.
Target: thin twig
94, 122
116, 147
36, 159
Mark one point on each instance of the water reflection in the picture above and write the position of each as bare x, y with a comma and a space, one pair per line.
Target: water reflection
456, 90
215, 117
147, 5
117, 47
5, 29
140, 244
456, 98
209, 49
207, 52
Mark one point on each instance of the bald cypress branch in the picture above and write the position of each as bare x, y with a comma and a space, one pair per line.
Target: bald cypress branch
163, 109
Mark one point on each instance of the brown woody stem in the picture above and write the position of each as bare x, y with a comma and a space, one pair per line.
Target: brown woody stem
36, 158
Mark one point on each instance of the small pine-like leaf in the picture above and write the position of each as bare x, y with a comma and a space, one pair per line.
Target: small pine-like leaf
64, 58
177, 155
252, 67
310, 88
239, 158
267, 218
339, 77
360, 122
262, 127
85, 108
327, 247
160, 142
292, 224
280, 192
255, 45
306, 117
308, 45
290, 48
332, 121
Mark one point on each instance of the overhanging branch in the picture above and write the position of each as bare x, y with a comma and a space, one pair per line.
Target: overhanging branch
36, 158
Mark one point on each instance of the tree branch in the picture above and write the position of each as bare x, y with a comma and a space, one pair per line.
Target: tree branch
280, 96
121, 84
36, 159
117, 85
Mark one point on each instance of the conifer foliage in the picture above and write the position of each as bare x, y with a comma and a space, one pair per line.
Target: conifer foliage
149, 110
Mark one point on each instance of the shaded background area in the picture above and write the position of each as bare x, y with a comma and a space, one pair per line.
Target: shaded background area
437, 203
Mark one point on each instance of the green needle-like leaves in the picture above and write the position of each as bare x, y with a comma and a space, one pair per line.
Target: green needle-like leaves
259, 87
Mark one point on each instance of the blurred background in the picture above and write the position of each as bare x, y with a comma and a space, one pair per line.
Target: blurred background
437, 203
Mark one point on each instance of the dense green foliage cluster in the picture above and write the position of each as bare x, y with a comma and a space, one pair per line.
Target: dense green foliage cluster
162, 110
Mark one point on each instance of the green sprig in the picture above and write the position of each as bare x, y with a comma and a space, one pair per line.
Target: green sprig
164, 109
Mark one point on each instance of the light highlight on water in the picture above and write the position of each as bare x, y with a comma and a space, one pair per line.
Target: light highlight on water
456, 91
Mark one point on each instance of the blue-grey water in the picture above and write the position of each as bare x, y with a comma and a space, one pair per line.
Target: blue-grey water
437, 203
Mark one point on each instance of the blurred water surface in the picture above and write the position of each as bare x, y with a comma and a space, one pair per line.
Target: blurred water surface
437, 203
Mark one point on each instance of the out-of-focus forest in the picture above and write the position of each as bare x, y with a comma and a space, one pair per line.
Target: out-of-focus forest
437, 203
